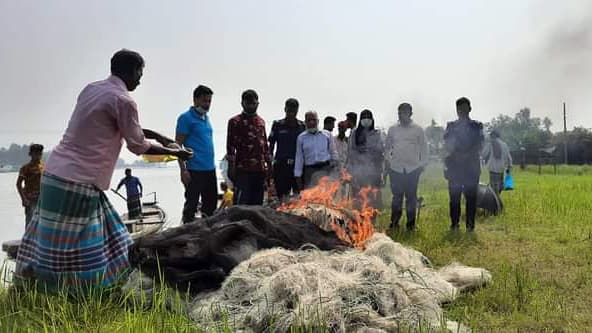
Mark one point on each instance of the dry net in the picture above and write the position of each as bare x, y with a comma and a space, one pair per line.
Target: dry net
386, 287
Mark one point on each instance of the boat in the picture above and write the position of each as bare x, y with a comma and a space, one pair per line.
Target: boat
152, 220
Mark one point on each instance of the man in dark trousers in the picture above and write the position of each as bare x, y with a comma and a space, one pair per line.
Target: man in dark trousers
133, 189
407, 155
284, 133
198, 174
249, 160
463, 141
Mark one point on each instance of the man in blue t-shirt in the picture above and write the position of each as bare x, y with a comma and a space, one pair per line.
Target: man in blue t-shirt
133, 189
198, 174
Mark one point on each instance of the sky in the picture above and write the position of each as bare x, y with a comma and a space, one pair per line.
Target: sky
333, 56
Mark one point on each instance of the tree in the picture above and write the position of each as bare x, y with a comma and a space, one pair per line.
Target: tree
435, 137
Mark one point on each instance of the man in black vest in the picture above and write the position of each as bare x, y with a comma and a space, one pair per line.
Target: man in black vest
284, 133
463, 141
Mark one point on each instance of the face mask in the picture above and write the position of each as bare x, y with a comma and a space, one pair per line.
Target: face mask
366, 122
201, 110
312, 130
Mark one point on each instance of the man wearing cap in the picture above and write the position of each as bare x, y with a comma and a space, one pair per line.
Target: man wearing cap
407, 155
284, 133
463, 141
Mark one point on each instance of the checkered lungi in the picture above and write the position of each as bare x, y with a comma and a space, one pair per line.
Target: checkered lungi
134, 206
76, 239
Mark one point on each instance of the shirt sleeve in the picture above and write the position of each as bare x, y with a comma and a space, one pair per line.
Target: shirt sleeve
129, 125
508, 157
230, 145
299, 163
182, 125
424, 149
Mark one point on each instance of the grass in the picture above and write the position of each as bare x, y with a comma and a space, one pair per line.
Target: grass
539, 252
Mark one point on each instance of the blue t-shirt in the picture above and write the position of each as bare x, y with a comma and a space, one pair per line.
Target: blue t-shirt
132, 186
198, 136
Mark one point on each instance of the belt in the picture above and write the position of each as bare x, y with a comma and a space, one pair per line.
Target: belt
318, 165
288, 161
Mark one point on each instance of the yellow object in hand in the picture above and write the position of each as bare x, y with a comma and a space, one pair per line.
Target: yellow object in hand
159, 158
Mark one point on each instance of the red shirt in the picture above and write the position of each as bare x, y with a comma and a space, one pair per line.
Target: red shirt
247, 143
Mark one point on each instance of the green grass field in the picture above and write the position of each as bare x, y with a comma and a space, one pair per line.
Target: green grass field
539, 252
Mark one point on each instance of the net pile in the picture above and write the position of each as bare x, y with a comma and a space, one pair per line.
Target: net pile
386, 287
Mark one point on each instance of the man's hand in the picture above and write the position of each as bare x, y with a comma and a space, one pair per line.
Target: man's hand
184, 154
185, 177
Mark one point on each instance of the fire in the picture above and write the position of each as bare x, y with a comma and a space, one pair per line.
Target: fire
357, 227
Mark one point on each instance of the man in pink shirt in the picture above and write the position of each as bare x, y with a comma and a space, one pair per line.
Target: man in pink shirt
76, 238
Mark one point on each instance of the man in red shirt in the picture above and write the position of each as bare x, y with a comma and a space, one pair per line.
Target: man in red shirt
247, 151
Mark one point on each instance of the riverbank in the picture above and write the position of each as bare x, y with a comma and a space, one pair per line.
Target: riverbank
539, 252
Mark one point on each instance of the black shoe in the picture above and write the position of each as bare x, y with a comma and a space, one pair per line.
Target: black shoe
394, 226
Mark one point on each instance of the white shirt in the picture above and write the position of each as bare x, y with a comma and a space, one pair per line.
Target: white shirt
406, 148
497, 165
312, 149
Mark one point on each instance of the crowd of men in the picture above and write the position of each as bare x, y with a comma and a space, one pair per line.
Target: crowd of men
75, 237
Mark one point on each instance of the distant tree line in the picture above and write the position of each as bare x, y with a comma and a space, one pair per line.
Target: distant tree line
17, 155
529, 138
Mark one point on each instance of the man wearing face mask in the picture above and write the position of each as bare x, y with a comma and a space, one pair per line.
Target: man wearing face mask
463, 142
315, 153
407, 156
284, 133
249, 160
365, 158
198, 174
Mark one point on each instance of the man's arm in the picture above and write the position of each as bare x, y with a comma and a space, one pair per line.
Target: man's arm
163, 140
120, 184
424, 155
272, 138
140, 185
21, 190
185, 175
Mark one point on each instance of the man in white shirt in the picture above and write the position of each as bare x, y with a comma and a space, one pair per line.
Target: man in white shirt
407, 155
315, 153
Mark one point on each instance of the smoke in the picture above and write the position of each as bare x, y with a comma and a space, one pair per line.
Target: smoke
556, 65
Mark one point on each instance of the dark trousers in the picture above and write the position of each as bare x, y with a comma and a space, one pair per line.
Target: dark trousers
313, 173
30, 209
404, 185
249, 188
283, 177
203, 184
470, 192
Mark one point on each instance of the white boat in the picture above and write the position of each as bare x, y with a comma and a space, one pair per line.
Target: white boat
152, 220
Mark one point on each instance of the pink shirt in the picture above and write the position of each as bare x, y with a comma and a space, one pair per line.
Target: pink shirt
104, 116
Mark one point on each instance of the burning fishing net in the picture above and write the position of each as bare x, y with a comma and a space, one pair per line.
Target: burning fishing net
385, 287
329, 206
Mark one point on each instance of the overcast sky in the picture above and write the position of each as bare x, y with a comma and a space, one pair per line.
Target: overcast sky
334, 56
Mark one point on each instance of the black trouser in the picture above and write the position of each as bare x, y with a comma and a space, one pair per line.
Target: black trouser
249, 188
283, 177
313, 173
404, 185
455, 189
203, 184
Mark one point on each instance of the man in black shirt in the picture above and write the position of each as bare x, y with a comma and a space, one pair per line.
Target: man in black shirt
284, 133
463, 141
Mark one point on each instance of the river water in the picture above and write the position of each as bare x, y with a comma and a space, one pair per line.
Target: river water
164, 181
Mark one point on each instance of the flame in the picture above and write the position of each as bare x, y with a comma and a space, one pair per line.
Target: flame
331, 194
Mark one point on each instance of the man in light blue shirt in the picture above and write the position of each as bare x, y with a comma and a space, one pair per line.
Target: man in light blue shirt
199, 173
315, 153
